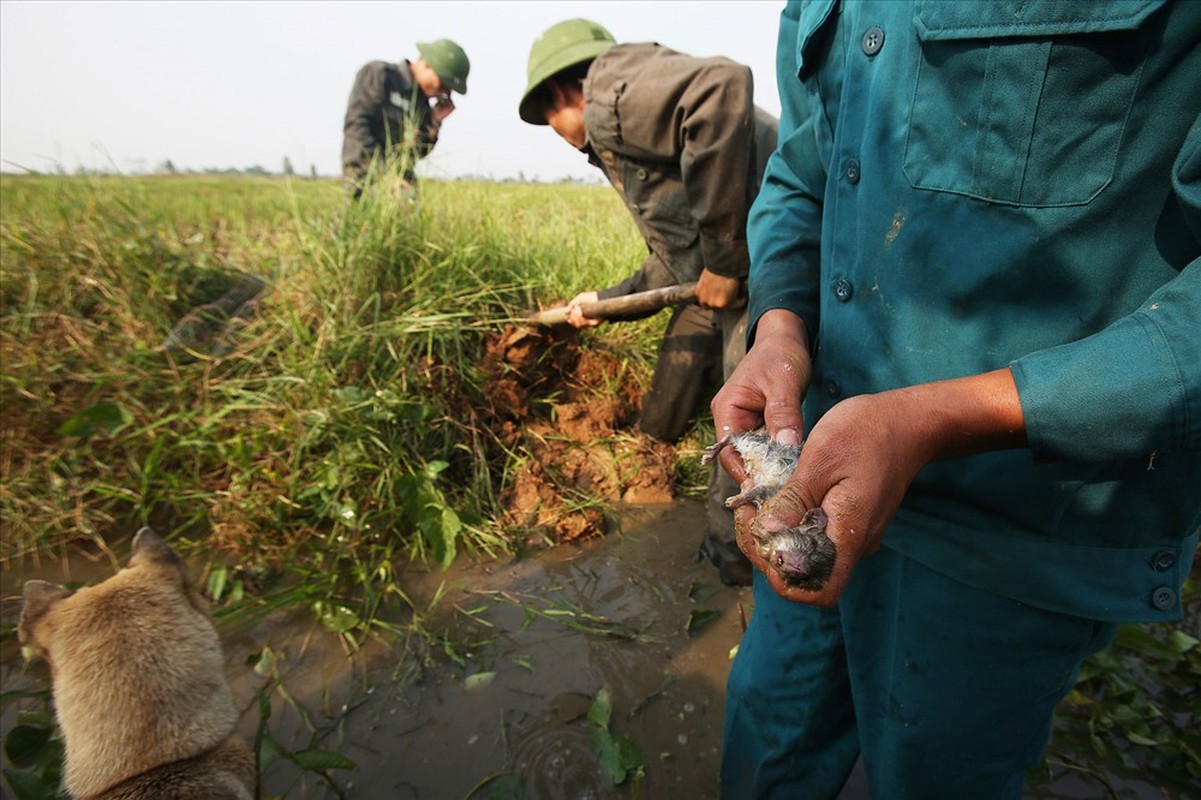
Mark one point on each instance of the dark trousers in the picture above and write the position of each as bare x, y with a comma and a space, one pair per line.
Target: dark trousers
700, 350
946, 690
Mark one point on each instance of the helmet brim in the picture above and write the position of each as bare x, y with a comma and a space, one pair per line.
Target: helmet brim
560, 60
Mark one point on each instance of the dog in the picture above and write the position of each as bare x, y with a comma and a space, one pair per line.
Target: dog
139, 688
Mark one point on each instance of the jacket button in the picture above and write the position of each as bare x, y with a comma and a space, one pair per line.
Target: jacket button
832, 388
641, 173
1163, 561
1163, 598
843, 290
873, 40
852, 172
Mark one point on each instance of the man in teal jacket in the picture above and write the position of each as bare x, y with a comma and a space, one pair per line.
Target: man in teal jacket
976, 256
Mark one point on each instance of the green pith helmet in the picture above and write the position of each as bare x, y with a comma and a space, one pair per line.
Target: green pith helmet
449, 61
562, 45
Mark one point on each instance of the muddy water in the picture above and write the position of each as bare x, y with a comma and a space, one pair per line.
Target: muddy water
532, 643
505, 701
536, 672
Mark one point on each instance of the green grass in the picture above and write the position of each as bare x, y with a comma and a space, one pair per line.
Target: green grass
342, 428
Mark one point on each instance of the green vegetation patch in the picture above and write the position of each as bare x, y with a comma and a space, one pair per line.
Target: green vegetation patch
304, 387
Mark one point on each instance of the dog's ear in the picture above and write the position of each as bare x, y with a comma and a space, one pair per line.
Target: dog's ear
39, 597
149, 547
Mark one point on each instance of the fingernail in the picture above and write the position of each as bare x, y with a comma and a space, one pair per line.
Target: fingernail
788, 436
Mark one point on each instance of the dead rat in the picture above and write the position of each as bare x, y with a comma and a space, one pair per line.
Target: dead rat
802, 556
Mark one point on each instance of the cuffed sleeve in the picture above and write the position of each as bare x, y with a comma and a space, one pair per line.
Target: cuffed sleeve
1132, 389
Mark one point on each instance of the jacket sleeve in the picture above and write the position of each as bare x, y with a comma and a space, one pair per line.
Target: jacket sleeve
427, 133
698, 112
784, 227
359, 144
1140, 376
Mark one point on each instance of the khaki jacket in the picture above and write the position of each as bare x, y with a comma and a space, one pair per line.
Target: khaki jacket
684, 145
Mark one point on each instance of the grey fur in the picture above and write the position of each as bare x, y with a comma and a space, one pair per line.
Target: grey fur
803, 556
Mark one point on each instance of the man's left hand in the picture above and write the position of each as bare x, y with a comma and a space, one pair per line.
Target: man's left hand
718, 291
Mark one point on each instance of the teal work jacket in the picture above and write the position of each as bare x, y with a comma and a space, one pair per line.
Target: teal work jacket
961, 187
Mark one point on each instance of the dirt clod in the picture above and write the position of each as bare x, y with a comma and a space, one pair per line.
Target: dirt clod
552, 400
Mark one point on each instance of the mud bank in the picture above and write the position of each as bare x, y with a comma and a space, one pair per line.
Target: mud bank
545, 635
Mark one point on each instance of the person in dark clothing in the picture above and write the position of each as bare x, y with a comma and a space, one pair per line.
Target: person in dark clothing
683, 143
395, 111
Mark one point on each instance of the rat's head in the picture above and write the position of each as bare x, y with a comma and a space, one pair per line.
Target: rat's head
803, 556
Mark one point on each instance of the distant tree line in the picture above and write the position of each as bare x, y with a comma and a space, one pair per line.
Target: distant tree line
167, 167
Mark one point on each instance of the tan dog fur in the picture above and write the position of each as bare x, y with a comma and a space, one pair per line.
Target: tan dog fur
138, 683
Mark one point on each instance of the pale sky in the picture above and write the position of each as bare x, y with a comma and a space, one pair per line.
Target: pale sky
123, 86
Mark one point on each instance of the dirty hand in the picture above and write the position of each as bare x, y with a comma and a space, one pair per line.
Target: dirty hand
766, 387
862, 455
443, 108
718, 291
857, 463
575, 314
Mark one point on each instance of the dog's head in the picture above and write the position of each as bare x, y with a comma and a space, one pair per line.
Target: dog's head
136, 665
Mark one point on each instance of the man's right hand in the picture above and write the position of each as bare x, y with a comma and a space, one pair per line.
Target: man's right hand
767, 387
575, 314
443, 108
719, 291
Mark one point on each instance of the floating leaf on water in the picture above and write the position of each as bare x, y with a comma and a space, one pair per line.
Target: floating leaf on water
601, 709
270, 751
336, 619
478, 680
265, 663
501, 786
699, 618
608, 754
321, 760
617, 754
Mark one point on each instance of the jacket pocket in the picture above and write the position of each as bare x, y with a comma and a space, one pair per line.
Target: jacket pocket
656, 196
1023, 103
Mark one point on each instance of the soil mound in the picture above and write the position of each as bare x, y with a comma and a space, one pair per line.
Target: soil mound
569, 415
